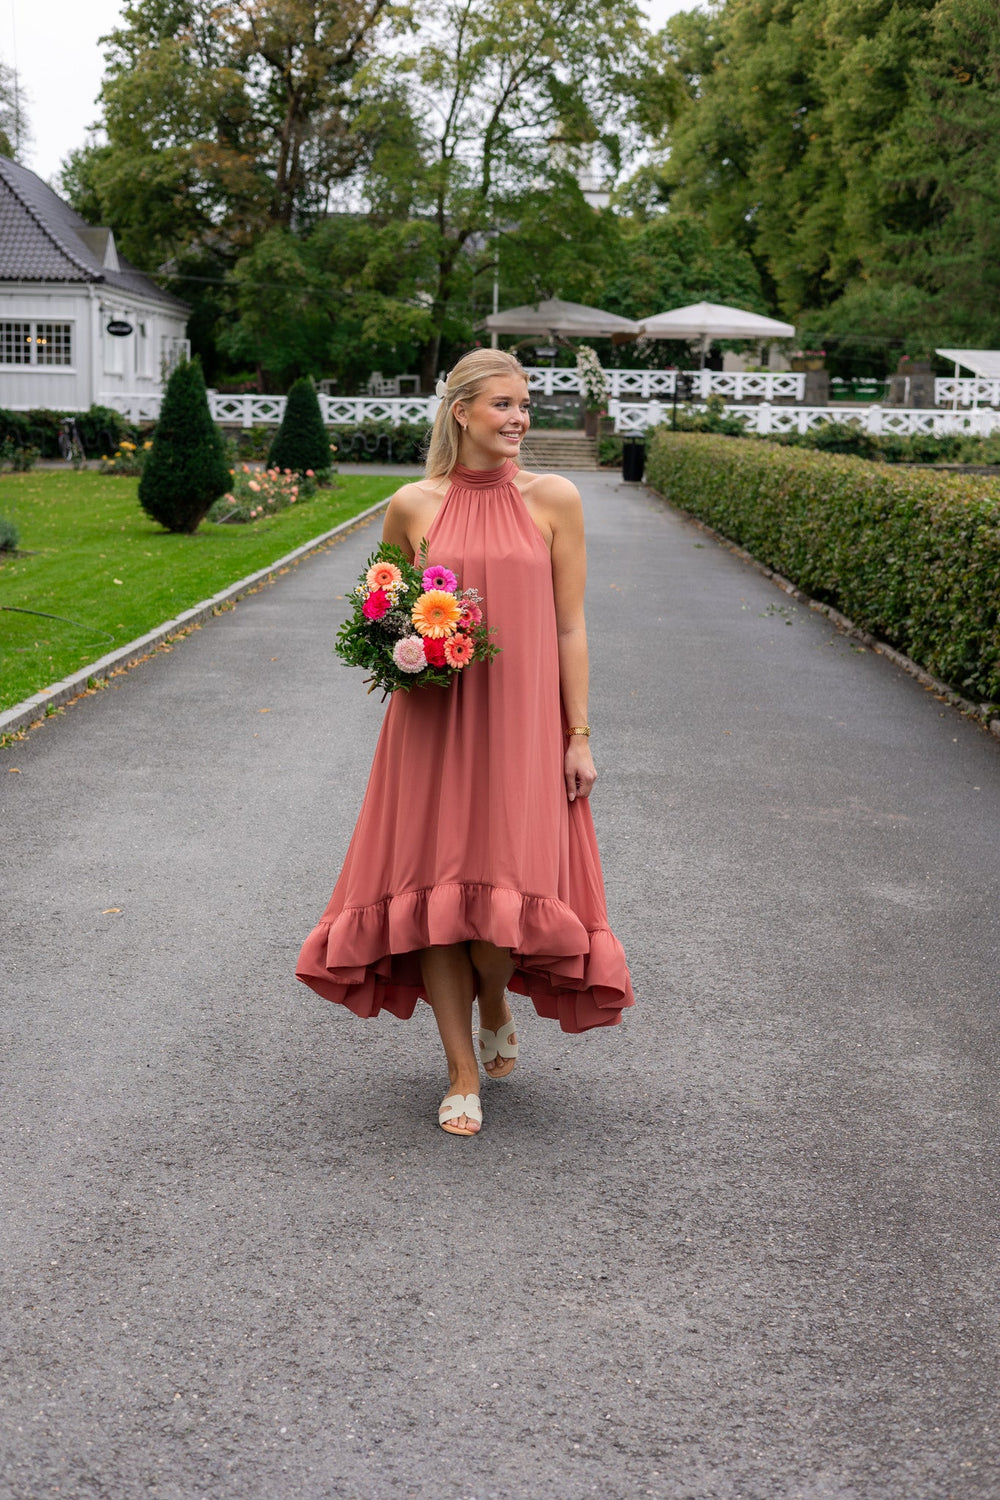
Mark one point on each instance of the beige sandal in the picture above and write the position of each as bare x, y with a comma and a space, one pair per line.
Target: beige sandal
454, 1107
494, 1044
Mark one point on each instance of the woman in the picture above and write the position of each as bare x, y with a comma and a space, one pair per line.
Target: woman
473, 868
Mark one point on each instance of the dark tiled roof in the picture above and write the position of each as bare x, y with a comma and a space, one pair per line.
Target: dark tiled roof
43, 239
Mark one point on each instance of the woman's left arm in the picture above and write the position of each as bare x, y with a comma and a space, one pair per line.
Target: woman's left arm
569, 577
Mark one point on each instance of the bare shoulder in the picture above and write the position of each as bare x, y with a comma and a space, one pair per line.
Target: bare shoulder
411, 497
553, 492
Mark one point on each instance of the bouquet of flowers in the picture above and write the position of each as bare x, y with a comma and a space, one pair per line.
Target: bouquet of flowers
412, 625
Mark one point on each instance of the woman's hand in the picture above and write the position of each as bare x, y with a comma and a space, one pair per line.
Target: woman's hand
581, 773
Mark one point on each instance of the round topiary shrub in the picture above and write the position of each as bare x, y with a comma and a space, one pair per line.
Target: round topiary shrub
302, 441
186, 468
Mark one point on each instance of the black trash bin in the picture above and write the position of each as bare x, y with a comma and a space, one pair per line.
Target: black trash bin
633, 458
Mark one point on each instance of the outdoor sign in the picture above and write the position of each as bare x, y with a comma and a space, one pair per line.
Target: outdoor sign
119, 329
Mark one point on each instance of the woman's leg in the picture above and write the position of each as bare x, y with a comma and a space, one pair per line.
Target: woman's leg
450, 982
493, 967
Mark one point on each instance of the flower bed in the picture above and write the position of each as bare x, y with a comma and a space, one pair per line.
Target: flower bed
256, 493
913, 557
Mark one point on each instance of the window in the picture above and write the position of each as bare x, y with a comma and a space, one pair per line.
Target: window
36, 344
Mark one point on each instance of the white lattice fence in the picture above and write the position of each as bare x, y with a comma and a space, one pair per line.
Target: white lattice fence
634, 418
765, 385
967, 392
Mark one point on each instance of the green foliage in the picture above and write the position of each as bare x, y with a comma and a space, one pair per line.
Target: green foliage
9, 535
301, 443
609, 452
342, 300
672, 260
912, 557
220, 122
128, 460
20, 459
186, 468
847, 145
381, 442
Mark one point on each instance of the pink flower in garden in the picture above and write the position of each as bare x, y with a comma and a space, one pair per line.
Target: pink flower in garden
440, 578
458, 650
253, 485
376, 605
310, 474
408, 654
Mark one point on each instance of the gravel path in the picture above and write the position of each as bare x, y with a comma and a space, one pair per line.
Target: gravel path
743, 1246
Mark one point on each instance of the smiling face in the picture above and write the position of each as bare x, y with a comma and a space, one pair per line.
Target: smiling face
494, 421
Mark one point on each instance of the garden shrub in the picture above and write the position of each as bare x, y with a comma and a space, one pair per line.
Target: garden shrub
302, 441
913, 557
9, 535
609, 451
382, 442
186, 467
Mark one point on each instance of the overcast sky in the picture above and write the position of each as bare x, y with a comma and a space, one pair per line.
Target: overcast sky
54, 44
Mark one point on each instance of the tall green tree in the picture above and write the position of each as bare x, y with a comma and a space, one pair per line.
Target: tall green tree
223, 118
505, 97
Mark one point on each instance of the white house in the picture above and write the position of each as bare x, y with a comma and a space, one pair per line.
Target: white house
78, 324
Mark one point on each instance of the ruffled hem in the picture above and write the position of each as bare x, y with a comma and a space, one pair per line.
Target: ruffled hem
367, 958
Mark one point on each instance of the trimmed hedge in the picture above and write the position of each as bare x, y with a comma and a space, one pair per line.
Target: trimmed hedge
101, 429
912, 557
382, 442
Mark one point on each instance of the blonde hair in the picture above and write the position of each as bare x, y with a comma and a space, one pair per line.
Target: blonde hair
464, 384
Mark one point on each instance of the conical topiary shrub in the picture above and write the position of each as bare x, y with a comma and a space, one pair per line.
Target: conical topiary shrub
301, 442
186, 469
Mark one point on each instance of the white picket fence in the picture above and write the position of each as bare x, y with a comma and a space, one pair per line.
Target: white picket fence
633, 418
764, 385
964, 391
267, 411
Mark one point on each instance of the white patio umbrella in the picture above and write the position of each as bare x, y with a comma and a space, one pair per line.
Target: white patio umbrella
706, 321
554, 316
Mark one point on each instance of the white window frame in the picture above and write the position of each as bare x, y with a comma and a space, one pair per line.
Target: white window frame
67, 327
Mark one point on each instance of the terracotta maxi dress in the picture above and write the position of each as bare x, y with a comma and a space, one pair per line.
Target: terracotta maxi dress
465, 830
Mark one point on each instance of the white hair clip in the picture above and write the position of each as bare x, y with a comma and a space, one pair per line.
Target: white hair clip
441, 389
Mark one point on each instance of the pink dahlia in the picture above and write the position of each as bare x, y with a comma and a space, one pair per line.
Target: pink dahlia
458, 650
408, 654
440, 578
376, 605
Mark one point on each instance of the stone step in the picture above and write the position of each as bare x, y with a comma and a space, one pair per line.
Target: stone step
560, 450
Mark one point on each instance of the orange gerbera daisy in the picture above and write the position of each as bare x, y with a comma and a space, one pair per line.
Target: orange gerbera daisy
458, 651
383, 575
436, 613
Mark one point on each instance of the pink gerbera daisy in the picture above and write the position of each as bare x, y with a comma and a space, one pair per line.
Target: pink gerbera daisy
440, 578
471, 615
458, 650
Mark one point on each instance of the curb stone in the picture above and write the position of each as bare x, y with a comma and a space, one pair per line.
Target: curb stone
32, 711
984, 713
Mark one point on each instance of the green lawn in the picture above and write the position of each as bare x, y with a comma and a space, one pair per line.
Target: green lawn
97, 559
